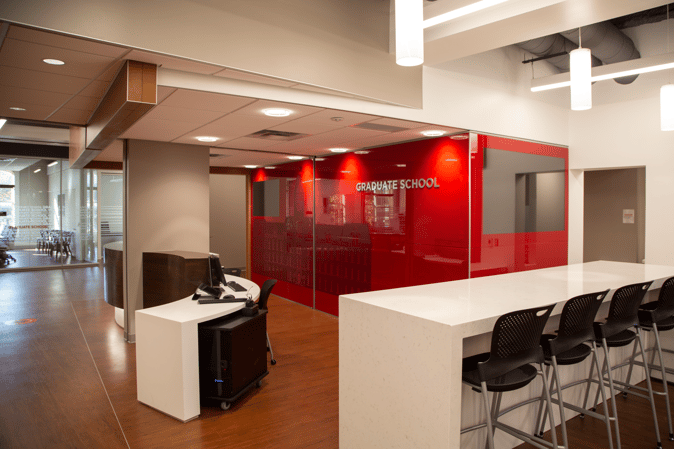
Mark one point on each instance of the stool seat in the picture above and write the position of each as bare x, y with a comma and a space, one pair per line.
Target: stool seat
663, 325
512, 380
570, 357
622, 338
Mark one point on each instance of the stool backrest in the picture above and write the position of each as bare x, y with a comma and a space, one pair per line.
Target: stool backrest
265, 291
665, 307
515, 341
575, 324
624, 309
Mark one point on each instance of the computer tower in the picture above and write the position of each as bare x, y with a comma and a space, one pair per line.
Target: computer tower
232, 356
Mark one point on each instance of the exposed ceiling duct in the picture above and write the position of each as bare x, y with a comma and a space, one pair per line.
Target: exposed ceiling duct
607, 43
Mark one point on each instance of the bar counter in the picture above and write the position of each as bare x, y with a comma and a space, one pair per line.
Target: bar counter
400, 350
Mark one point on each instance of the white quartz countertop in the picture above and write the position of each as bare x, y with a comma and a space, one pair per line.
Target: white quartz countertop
480, 300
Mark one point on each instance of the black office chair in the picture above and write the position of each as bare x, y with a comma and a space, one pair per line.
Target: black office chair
617, 332
569, 347
265, 291
655, 317
515, 346
232, 271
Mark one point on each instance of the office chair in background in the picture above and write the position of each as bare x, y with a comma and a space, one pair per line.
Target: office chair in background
262, 304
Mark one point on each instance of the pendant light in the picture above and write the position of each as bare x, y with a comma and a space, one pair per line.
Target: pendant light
667, 97
409, 32
581, 74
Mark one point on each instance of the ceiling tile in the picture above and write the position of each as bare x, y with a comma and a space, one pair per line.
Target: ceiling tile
399, 123
111, 72
348, 118
32, 112
244, 76
247, 143
193, 116
95, 89
30, 79
257, 107
70, 43
28, 55
208, 101
172, 63
70, 116
304, 127
19, 96
159, 130
237, 158
232, 126
82, 103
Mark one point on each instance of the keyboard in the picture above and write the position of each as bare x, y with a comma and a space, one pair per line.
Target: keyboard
220, 301
236, 287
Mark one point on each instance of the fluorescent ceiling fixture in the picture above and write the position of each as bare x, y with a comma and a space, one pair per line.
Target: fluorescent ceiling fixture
409, 32
667, 107
250, 166
35, 171
17, 109
459, 137
270, 168
468, 9
320, 159
432, 133
295, 158
581, 79
277, 112
401, 165
339, 150
346, 171
52, 164
207, 139
2, 122
53, 61
362, 152
611, 71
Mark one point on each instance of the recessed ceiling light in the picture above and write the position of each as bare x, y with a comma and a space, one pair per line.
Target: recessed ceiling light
320, 159
207, 139
250, 166
459, 137
277, 112
270, 168
362, 152
35, 171
52, 164
339, 150
17, 109
432, 133
53, 61
401, 165
295, 158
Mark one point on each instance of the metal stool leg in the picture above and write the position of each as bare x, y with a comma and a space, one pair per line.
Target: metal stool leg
664, 379
650, 387
490, 428
611, 390
273, 361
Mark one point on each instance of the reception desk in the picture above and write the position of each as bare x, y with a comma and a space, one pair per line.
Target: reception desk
400, 350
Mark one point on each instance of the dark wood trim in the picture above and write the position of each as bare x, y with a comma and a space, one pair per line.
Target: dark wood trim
34, 150
104, 165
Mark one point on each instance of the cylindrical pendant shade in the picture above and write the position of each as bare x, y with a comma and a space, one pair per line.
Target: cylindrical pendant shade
581, 75
667, 107
409, 32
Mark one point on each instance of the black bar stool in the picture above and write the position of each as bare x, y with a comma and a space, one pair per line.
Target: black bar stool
655, 317
515, 346
568, 347
615, 332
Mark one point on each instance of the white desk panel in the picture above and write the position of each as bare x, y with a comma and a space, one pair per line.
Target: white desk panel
167, 351
400, 350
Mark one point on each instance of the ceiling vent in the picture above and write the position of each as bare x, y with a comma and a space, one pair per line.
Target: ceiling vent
378, 127
282, 136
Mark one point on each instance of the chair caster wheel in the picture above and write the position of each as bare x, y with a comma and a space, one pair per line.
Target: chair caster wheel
582, 416
625, 394
225, 405
273, 361
671, 437
594, 409
258, 384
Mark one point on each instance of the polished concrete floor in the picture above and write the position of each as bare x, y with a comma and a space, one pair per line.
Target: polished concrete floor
28, 258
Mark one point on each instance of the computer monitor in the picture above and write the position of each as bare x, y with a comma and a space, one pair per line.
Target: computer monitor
217, 275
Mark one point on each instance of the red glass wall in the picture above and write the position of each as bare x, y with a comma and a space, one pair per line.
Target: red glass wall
497, 253
282, 243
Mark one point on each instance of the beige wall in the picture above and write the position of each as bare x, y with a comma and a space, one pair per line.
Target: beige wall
166, 208
228, 219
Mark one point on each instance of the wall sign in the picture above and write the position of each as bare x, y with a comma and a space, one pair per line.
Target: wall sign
395, 184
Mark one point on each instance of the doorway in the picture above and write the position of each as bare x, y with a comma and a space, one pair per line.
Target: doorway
614, 215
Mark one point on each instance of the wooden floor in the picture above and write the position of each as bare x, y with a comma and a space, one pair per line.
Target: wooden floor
68, 379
